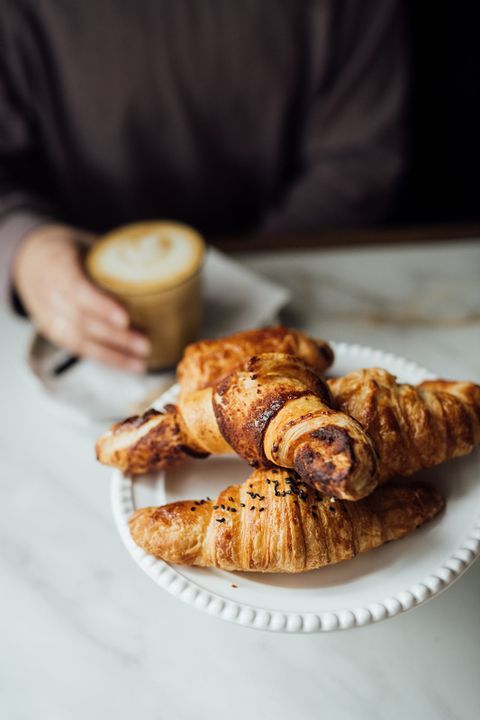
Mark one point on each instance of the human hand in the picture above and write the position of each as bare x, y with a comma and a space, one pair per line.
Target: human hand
66, 307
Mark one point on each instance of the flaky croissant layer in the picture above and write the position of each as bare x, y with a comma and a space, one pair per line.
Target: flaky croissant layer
274, 411
412, 426
276, 523
206, 362
345, 440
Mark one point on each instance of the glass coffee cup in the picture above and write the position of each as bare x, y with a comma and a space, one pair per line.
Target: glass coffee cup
154, 270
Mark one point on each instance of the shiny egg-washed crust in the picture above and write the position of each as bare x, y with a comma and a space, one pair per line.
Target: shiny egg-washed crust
274, 412
207, 362
278, 411
276, 523
246, 400
143, 443
412, 427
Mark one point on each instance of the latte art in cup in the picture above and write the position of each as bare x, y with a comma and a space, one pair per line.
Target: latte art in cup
154, 258
153, 268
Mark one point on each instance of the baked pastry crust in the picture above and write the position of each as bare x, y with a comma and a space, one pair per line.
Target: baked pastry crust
274, 522
412, 427
276, 411
207, 362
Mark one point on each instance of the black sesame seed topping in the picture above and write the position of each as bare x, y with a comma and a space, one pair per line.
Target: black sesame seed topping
220, 519
215, 507
331, 508
261, 509
231, 499
242, 504
193, 508
253, 507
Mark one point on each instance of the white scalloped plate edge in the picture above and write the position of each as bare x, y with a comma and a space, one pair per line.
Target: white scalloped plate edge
193, 594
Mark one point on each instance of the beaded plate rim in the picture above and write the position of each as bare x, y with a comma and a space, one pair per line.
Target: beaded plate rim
167, 577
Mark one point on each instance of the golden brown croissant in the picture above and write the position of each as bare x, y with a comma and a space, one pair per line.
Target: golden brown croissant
276, 411
207, 362
276, 523
412, 427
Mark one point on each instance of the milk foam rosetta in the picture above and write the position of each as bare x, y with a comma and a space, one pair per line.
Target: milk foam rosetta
151, 257
146, 255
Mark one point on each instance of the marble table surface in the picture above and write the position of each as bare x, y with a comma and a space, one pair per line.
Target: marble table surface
85, 634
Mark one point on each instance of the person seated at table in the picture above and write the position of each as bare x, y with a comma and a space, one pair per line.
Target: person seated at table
235, 117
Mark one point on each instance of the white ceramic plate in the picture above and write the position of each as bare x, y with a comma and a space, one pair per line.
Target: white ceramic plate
369, 588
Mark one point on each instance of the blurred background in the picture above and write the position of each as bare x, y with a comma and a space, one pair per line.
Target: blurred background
441, 183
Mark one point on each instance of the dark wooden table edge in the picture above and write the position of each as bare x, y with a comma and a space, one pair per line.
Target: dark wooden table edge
386, 236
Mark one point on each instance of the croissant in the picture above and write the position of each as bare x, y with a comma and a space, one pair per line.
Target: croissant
276, 523
207, 362
274, 412
412, 427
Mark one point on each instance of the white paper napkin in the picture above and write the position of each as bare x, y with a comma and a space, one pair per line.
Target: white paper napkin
235, 298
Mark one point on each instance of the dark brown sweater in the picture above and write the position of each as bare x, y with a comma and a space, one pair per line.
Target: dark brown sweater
231, 115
